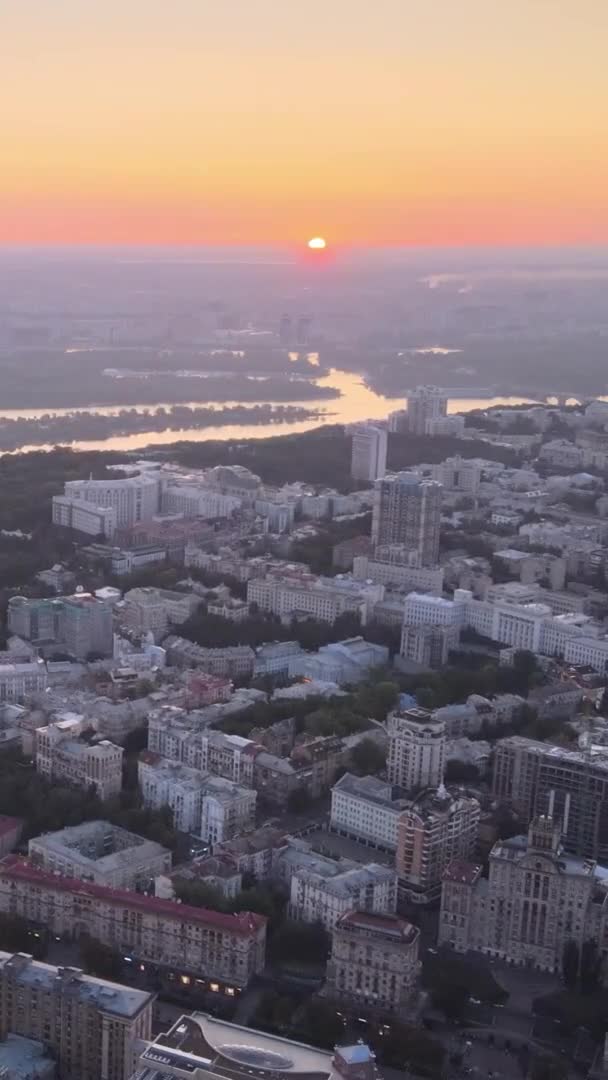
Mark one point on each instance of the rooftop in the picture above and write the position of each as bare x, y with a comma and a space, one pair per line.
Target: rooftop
347, 883
107, 846
244, 923
461, 872
228, 1050
371, 789
107, 996
387, 926
24, 1058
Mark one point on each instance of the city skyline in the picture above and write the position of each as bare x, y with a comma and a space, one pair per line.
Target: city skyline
399, 124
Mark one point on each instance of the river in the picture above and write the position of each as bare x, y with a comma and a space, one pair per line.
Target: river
356, 402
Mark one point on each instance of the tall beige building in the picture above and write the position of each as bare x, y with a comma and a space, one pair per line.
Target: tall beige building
416, 749
374, 962
407, 512
92, 1026
535, 900
435, 829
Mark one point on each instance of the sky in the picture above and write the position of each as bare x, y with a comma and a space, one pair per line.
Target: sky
370, 122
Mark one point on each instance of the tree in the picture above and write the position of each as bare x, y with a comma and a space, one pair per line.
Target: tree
322, 1024
425, 697
570, 964
524, 663
298, 801
548, 1068
451, 999
375, 700
461, 772
368, 757
299, 943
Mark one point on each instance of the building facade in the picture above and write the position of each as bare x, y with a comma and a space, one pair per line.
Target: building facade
229, 949
416, 749
102, 853
316, 896
425, 404
368, 460
92, 1026
434, 829
535, 900
64, 752
374, 962
133, 498
407, 511
570, 785
366, 809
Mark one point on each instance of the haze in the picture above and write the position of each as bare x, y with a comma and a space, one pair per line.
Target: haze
392, 123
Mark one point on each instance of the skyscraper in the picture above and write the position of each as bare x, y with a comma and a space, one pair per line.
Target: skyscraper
407, 511
368, 461
424, 403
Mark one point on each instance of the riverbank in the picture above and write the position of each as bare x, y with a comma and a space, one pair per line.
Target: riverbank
86, 426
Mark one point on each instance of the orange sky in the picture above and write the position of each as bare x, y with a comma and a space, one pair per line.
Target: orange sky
268, 121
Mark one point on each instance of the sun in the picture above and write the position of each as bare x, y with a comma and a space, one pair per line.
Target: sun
317, 243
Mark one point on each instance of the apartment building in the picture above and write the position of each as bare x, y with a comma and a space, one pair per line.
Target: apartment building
230, 756
319, 598
416, 749
393, 566
428, 647
92, 1026
323, 892
227, 810
425, 404
19, 680
255, 852
39, 621
367, 809
535, 900
87, 627
434, 829
373, 963
234, 661
176, 735
102, 853
407, 512
232, 609
202, 689
221, 950
66, 751
570, 785
79, 625
149, 609
170, 783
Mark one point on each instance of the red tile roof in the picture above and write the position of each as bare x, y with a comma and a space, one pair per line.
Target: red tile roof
245, 923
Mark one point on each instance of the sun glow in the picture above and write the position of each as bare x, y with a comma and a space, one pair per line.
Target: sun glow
317, 243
